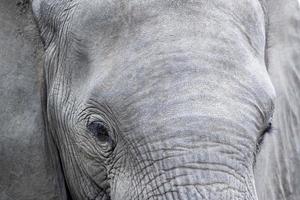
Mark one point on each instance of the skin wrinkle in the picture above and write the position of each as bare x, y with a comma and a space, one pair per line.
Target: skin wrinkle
137, 162
222, 144
205, 142
189, 167
64, 92
80, 175
165, 136
85, 172
115, 161
160, 159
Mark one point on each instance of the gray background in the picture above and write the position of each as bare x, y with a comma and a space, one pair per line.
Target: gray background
22, 155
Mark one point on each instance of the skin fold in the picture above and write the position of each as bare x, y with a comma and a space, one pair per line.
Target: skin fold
169, 99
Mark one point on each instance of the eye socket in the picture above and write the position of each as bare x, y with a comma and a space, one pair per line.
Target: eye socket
99, 130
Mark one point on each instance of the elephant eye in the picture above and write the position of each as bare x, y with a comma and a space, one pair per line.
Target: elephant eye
99, 130
268, 129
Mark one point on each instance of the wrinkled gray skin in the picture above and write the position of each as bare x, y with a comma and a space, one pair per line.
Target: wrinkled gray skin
171, 99
181, 92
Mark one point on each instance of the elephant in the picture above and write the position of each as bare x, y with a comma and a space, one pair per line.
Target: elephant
173, 99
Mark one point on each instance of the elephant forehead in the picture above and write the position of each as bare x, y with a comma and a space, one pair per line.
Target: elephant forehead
210, 36
98, 19
213, 66
181, 77
170, 89
190, 54
116, 9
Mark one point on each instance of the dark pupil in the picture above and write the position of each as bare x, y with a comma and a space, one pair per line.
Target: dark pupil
99, 130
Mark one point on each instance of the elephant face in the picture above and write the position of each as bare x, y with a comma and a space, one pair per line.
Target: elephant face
156, 99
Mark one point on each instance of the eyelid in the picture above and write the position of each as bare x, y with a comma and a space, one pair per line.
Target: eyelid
92, 118
268, 129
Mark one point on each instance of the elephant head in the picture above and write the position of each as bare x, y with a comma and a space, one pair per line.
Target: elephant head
156, 99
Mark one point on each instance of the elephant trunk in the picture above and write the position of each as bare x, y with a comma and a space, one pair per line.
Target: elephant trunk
188, 165
187, 180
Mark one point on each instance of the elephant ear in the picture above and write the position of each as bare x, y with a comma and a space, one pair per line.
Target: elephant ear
278, 164
24, 173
